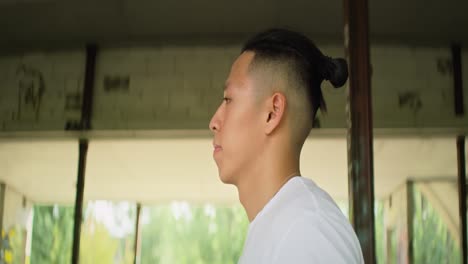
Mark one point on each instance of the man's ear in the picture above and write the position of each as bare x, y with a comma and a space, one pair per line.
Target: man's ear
276, 106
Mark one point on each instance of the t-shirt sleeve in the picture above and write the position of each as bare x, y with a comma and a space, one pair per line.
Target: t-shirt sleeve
314, 242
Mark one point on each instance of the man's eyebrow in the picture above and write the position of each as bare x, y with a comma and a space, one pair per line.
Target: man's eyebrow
226, 86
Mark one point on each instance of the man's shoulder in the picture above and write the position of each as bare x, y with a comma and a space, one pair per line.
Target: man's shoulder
308, 237
314, 223
300, 202
303, 222
304, 195
313, 238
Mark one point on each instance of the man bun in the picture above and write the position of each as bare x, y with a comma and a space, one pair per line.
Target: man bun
335, 71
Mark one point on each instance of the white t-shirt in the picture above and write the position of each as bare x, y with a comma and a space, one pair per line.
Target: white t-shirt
301, 224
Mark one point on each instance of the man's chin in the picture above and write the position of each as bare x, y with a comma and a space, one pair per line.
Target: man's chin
226, 179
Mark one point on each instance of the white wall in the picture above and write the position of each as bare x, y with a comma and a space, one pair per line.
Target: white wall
16, 210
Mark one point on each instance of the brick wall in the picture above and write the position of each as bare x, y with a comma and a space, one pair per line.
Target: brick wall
180, 86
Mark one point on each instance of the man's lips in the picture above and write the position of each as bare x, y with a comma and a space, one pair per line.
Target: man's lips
217, 148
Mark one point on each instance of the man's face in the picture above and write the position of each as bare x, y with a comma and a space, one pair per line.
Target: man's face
237, 124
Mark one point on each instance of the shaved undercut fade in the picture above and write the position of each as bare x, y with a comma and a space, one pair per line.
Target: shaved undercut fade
289, 62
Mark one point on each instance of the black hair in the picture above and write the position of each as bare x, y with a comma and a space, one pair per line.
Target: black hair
308, 62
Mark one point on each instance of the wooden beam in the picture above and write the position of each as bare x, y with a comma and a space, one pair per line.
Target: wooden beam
461, 160
360, 146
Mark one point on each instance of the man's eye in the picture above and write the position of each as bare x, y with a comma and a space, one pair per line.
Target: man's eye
227, 100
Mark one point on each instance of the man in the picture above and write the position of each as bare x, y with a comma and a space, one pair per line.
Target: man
270, 100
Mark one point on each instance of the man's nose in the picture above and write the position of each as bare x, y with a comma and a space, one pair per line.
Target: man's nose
215, 122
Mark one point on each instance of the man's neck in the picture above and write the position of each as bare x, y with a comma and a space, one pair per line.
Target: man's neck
261, 184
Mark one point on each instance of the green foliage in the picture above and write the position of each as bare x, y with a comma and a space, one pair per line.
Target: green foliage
432, 241
199, 235
183, 233
17, 243
99, 241
190, 234
12, 245
52, 234
97, 246
379, 231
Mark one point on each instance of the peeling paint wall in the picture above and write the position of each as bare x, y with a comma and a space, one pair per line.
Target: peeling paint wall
40, 91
